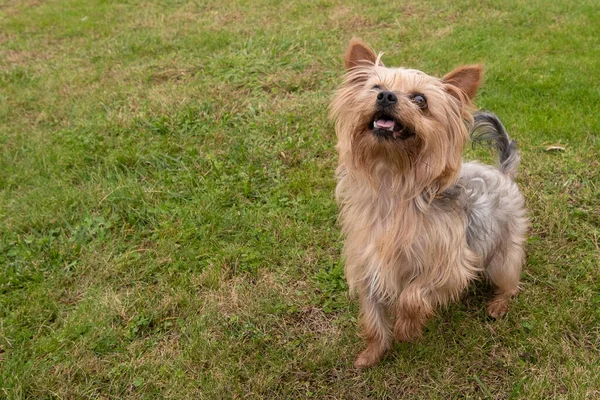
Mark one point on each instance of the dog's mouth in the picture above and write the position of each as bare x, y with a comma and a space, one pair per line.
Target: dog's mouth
387, 127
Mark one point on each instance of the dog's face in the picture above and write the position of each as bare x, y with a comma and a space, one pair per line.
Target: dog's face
403, 118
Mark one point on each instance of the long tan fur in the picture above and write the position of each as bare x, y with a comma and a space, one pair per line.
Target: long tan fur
406, 249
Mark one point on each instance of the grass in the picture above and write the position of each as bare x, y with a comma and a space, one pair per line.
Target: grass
167, 223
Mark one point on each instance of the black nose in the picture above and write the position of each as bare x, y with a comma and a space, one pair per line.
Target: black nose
386, 98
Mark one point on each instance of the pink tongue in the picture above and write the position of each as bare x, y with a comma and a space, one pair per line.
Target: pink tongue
384, 123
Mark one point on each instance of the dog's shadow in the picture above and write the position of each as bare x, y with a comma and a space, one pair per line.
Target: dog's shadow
469, 308
475, 299
452, 326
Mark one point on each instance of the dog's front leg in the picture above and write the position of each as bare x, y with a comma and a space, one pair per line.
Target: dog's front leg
376, 330
412, 310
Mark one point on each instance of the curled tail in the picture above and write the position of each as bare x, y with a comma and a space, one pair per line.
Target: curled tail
488, 129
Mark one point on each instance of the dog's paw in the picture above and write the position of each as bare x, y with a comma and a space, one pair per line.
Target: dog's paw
497, 308
369, 356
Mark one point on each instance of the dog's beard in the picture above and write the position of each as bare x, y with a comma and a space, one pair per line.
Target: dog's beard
370, 149
381, 140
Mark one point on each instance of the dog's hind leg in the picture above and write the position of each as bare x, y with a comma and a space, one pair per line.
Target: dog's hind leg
504, 272
376, 331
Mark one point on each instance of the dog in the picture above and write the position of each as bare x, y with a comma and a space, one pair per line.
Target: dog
419, 224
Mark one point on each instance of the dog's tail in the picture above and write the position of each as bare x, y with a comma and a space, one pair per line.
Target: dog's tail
488, 129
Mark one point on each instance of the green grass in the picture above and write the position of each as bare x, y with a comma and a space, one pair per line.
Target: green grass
167, 222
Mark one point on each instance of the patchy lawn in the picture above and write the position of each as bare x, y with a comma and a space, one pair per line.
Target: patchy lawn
167, 223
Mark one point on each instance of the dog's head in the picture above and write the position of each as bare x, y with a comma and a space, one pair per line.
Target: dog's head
403, 119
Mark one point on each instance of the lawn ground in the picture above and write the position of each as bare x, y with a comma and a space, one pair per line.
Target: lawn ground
167, 222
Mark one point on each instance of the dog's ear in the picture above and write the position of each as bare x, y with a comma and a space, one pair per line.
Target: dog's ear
466, 78
358, 53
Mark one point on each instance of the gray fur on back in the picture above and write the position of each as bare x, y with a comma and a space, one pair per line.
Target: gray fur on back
493, 206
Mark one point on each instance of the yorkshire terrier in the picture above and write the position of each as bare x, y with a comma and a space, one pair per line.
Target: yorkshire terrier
419, 224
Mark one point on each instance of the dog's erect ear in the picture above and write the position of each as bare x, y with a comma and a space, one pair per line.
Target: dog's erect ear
358, 54
466, 78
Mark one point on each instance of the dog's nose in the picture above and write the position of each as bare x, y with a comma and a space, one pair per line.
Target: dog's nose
386, 98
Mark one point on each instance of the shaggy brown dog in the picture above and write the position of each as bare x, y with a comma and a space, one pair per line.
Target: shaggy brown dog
419, 224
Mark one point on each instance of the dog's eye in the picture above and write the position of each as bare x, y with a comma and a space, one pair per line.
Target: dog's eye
420, 100
377, 87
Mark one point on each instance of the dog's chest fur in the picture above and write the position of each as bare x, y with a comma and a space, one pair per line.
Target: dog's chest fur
380, 231
392, 241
